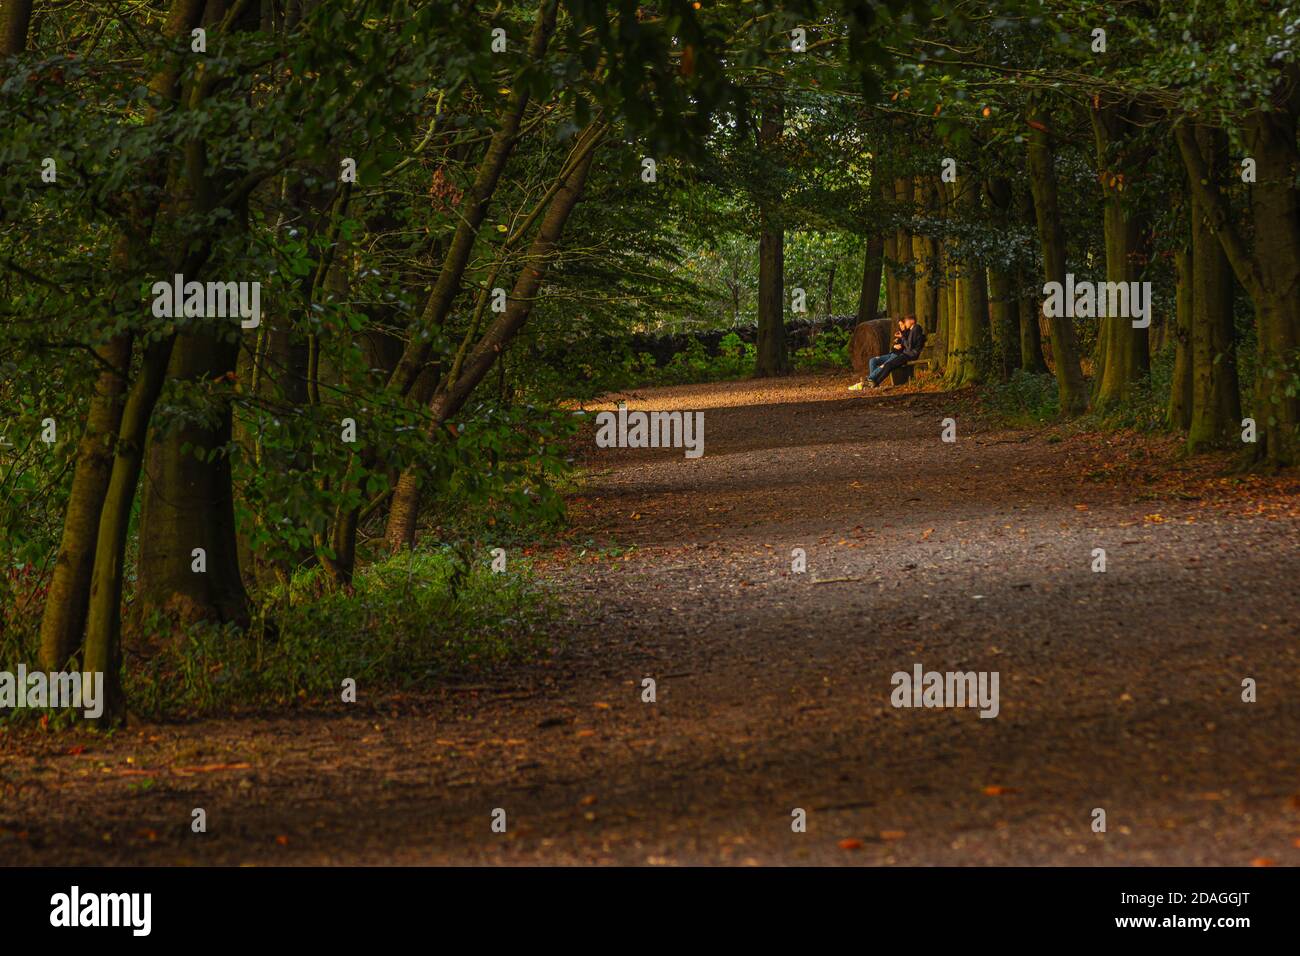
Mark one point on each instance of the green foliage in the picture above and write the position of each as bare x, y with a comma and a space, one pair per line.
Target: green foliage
830, 349
1025, 398
410, 620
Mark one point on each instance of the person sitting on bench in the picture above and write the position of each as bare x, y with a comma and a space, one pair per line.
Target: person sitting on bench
907, 348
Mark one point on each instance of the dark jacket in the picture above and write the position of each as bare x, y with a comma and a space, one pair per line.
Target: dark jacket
912, 341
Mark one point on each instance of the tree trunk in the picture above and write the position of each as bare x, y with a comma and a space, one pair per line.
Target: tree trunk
1270, 138
15, 19
187, 503
1005, 308
925, 255
772, 357
971, 331
454, 390
66, 607
1216, 405
1042, 179
103, 653
473, 209
1031, 343
1122, 349
64, 617
903, 247
1180, 385
869, 297
1003, 294
891, 254
1271, 272
1031, 336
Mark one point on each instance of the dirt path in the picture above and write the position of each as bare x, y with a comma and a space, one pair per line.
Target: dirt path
1119, 690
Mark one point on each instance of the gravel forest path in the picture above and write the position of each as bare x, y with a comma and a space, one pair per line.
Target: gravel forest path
1119, 690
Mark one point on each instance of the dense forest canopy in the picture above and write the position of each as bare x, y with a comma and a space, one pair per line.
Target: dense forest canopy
284, 282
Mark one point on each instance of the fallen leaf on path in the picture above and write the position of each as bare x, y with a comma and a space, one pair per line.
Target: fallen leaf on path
282, 840
850, 844
77, 749
995, 791
892, 834
1263, 861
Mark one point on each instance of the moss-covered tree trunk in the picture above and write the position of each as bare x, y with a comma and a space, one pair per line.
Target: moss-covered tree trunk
1270, 270
1271, 139
938, 347
970, 333
1042, 178
1216, 403
64, 616
1122, 358
103, 649
925, 255
64, 619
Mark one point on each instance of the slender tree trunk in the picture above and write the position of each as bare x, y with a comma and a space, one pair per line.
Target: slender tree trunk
1004, 299
473, 210
103, 653
903, 248
1216, 405
64, 617
891, 255
1031, 336
772, 356
1180, 386
1031, 344
455, 389
1042, 177
1005, 308
939, 342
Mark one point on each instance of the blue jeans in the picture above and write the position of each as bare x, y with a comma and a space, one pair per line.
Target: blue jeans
881, 365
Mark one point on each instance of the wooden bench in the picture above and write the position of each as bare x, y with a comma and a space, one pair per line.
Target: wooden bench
903, 374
